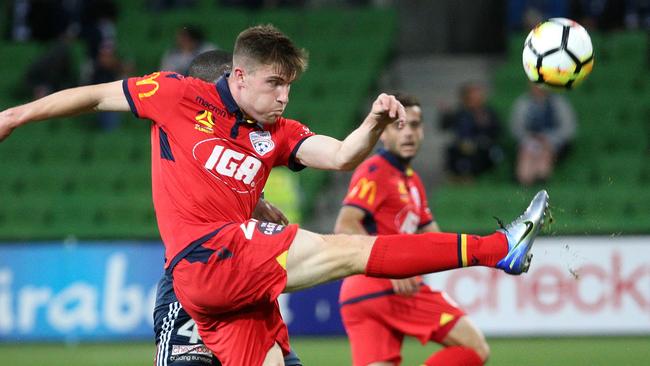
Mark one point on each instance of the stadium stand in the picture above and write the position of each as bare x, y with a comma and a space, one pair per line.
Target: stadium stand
601, 188
65, 178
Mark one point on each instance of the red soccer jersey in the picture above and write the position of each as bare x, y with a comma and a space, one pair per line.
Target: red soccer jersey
394, 201
209, 164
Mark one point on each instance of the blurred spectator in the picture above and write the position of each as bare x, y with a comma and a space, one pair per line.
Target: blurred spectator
99, 33
525, 14
47, 19
158, 5
53, 70
544, 125
107, 67
637, 14
50, 22
39, 20
258, 4
18, 28
189, 44
475, 128
98, 25
599, 14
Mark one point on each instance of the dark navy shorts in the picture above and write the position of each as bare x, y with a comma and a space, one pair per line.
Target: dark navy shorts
177, 338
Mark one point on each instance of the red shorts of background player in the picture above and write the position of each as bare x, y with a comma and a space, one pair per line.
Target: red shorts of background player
377, 326
229, 285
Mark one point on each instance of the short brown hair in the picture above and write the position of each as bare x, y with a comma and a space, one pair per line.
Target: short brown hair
267, 45
407, 100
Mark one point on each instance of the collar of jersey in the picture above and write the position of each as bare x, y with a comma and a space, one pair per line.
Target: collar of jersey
232, 107
393, 160
226, 96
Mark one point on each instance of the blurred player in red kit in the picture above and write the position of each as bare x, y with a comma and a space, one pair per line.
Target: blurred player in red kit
385, 197
213, 146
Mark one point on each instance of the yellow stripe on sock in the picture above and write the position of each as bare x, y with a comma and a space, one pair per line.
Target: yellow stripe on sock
463, 249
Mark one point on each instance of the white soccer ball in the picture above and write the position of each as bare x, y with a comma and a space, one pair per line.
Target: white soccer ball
558, 53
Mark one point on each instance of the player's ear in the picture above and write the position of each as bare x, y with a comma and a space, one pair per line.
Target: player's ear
382, 137
238, 73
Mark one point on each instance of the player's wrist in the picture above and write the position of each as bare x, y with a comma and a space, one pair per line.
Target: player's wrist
373, 123
14, 118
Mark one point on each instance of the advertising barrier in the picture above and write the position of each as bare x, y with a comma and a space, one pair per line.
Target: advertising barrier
86, 291
93, 291
575, 286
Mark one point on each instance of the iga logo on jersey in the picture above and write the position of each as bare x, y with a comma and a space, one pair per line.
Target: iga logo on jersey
223, 162
261, 141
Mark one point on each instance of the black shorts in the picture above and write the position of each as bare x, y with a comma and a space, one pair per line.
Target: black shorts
178, 342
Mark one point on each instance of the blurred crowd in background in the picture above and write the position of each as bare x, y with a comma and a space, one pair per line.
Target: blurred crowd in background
542, 124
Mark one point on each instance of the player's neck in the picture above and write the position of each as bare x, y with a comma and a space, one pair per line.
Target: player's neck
236, 96
403, 162
234, 91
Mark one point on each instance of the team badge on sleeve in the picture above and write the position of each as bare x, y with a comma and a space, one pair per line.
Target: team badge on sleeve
261, 141
269, 228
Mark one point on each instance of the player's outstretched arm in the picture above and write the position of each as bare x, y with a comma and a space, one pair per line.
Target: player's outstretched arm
68, 102
325, 152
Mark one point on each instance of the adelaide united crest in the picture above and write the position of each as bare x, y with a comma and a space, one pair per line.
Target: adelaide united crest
261, 141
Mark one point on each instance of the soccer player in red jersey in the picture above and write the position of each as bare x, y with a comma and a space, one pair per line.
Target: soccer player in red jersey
177, 340
386, 196
213, 147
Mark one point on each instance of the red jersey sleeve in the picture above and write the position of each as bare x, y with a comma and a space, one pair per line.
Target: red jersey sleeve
293, 135
364, 192
153, 96
426, 216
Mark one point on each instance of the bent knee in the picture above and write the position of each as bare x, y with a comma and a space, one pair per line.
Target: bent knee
483, 350
466, 334
478, 344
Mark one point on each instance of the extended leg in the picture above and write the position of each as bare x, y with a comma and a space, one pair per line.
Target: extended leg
314, 259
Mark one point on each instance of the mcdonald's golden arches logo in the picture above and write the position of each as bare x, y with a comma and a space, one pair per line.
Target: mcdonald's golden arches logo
149, 80
364, 189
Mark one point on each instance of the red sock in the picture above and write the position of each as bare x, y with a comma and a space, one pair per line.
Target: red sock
400, 256
454, 356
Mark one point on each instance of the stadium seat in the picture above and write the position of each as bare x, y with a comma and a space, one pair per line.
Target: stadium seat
608, 163
66, 177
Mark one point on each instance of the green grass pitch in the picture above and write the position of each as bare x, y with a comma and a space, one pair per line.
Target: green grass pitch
628, 351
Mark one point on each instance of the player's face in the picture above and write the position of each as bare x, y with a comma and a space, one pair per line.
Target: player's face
264, 93
405, 142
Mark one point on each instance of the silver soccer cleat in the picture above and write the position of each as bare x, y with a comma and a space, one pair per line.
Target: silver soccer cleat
521, 233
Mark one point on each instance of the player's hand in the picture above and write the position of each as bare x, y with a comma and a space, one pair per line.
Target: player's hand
265, 211
387, 109
406, 286
7, 123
